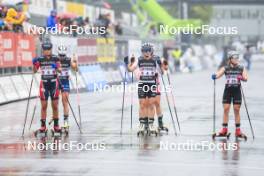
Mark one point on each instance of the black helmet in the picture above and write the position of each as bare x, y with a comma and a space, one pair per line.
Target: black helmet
46, 45
147, 47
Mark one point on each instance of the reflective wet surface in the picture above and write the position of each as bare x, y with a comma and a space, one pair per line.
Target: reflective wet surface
101, 150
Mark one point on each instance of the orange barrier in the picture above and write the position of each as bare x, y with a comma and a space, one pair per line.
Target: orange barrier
16, 49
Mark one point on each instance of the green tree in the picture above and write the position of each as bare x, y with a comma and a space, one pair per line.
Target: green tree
203, 12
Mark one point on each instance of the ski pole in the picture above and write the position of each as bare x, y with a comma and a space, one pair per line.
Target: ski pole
214, 112
71, 109
172, 119
78, 98
245, 103
33, 114
122, 115
131, 111
28, 100
174, 106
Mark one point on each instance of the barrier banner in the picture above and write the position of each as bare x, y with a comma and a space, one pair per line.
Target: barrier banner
8, 50
2, 96
69, 42
25, 50
105, 50
86, 50
94, 77
20, 86
8, 88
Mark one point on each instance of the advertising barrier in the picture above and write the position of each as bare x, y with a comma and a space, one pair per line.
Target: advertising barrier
93, 76
87, 52
20, 86
16, 49
105, 50
8, 88
8, 50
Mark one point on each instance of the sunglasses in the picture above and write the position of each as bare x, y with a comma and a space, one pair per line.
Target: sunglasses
146, 50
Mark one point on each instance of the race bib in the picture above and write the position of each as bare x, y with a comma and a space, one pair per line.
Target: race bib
65, 72
48, 71
232, 80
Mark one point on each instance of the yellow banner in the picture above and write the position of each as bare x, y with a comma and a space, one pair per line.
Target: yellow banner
105, 50
75, 8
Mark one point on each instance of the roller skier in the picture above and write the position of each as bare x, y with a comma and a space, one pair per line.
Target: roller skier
147, 87
66, 64
48, 65
234, 74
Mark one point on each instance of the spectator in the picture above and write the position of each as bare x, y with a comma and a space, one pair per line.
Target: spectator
247, 57
52, 20
118, 29
176, 54
14, 20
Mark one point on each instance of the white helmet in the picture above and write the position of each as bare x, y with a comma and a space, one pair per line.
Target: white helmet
232, 54
62, 50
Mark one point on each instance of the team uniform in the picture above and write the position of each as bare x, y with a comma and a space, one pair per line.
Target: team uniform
232, 93
147, 86
49, 85
64, 76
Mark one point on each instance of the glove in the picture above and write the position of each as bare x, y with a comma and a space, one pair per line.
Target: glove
214, 76
54, 66
132, 60
34, 61
126, 60
239, 77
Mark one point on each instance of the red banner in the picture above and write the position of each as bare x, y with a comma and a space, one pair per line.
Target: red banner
8, 49
25, 50
16, 49
86, 51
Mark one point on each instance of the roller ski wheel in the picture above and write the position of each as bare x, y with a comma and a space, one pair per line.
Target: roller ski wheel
221, 135
40, 133
65, 130
153, 132
161, 129
242, 136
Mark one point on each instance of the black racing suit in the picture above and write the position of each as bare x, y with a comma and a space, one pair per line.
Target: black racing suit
147, 86
232, 92
64, 76
49, 85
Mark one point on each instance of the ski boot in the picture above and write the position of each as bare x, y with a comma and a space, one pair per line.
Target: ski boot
152, 129
162, 127
42, 132
56, 131
65, 128
223, 133
240, 135
142, 127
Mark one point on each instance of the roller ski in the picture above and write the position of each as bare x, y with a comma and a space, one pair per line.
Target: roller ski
240, 135
161, 127
151, 128
222, 134
65, 128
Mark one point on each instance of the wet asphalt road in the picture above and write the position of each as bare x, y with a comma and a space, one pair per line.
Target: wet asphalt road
108, 153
